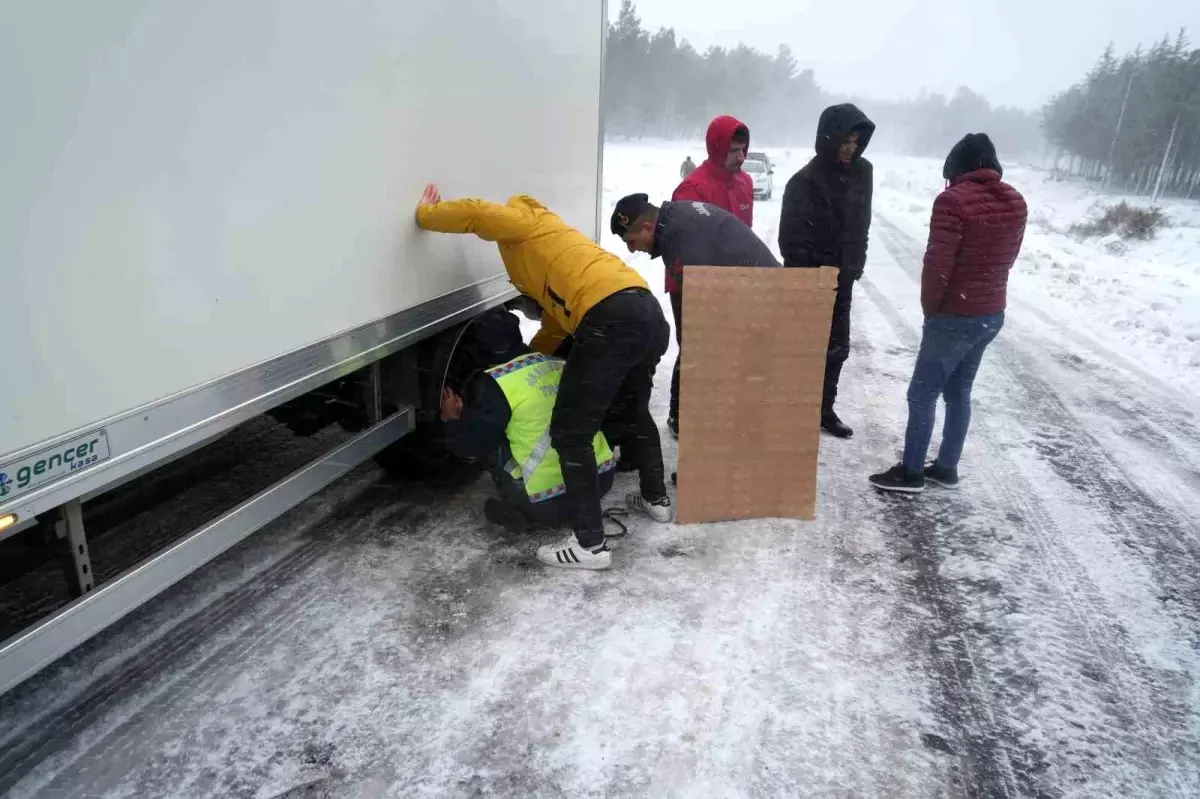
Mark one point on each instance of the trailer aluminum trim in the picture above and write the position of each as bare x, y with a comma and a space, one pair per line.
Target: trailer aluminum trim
600, 123
146, 436
32, 650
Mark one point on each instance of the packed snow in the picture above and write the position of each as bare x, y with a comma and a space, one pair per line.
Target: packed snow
1140, 299
1137, 299
1032, 634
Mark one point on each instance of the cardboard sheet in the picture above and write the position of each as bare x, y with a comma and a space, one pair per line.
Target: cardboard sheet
754, 342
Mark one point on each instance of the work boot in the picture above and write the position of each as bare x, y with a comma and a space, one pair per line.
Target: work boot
506, 515
659, 510
941, 475
568, 554
831, 424
900, 480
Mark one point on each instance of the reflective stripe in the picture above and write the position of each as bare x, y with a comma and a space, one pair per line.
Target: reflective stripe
520, 362
530, 384
536, 457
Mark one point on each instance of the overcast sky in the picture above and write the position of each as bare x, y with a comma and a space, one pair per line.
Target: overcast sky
1015, 52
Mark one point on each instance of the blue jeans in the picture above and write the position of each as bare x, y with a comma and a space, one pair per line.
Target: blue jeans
951, 350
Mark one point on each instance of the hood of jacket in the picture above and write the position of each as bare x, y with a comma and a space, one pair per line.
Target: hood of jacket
973, 152
720, 136
836, 123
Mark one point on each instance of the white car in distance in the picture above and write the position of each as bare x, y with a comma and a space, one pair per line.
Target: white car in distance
763, 176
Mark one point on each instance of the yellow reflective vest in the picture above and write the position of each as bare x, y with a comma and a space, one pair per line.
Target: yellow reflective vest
530, 384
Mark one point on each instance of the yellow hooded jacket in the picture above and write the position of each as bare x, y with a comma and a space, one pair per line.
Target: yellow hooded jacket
547, 259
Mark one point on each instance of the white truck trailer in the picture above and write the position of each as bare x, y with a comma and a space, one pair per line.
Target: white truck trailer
206, 213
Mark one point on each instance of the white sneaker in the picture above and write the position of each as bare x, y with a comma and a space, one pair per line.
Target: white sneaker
659, 510
567, 554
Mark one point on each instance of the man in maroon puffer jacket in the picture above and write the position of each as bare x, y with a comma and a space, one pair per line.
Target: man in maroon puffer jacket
975, 236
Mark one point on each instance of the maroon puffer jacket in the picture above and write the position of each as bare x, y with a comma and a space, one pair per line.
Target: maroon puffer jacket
974, 238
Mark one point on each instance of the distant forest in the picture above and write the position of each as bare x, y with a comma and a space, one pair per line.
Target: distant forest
657, 85
1134, 123
1126, 124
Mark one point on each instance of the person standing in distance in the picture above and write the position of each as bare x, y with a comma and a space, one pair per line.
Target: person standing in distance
719, 181
824, 221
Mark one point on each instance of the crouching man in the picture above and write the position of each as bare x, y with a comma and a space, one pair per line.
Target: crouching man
502, 418
683, 233
618, 336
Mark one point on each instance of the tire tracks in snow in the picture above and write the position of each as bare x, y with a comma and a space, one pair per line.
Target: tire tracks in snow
1166, 539
899, 241
196, 660
1148, 716
991, 760
1163, 426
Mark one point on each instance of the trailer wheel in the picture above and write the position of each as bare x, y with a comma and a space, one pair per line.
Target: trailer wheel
421, 457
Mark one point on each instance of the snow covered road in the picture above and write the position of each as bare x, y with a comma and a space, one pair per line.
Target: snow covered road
1067, 568
1036, 633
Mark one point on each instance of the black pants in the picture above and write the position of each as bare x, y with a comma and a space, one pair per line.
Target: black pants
555, 512
677, 312
839, 342
616, 349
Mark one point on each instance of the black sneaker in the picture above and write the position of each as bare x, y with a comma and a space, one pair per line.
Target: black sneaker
673, 426
831, 424
506, 515
940, 475
899, 479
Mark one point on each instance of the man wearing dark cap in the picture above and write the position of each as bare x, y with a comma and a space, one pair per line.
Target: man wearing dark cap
682, 233
824, 221
975, 236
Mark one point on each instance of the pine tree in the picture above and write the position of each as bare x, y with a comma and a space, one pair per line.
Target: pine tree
1136, 122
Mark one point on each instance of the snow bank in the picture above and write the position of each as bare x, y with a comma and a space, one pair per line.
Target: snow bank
1142, 302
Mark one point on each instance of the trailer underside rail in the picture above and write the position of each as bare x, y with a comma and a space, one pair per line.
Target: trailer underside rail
32, 650
142, 438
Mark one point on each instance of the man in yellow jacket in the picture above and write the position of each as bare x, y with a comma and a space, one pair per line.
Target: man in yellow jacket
619, 334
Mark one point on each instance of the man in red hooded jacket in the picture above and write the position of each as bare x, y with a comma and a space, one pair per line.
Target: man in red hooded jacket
720, 181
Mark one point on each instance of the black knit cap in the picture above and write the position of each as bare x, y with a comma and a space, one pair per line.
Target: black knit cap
627, 212
973, 151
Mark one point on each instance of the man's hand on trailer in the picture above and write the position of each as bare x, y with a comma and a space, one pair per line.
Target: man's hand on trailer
431, 196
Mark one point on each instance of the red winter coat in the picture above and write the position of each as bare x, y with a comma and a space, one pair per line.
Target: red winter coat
712, 183
975, 236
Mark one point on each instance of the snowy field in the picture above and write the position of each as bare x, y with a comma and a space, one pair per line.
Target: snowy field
1142, 306
1036, 633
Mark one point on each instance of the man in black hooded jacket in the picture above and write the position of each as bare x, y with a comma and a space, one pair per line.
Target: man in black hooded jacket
824, 222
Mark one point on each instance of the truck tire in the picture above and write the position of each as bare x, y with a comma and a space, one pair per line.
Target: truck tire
421, 457
448, 359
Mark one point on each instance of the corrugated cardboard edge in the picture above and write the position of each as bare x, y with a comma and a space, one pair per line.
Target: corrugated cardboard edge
717, 467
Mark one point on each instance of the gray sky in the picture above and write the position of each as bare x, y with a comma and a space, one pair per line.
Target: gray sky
1015, 52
